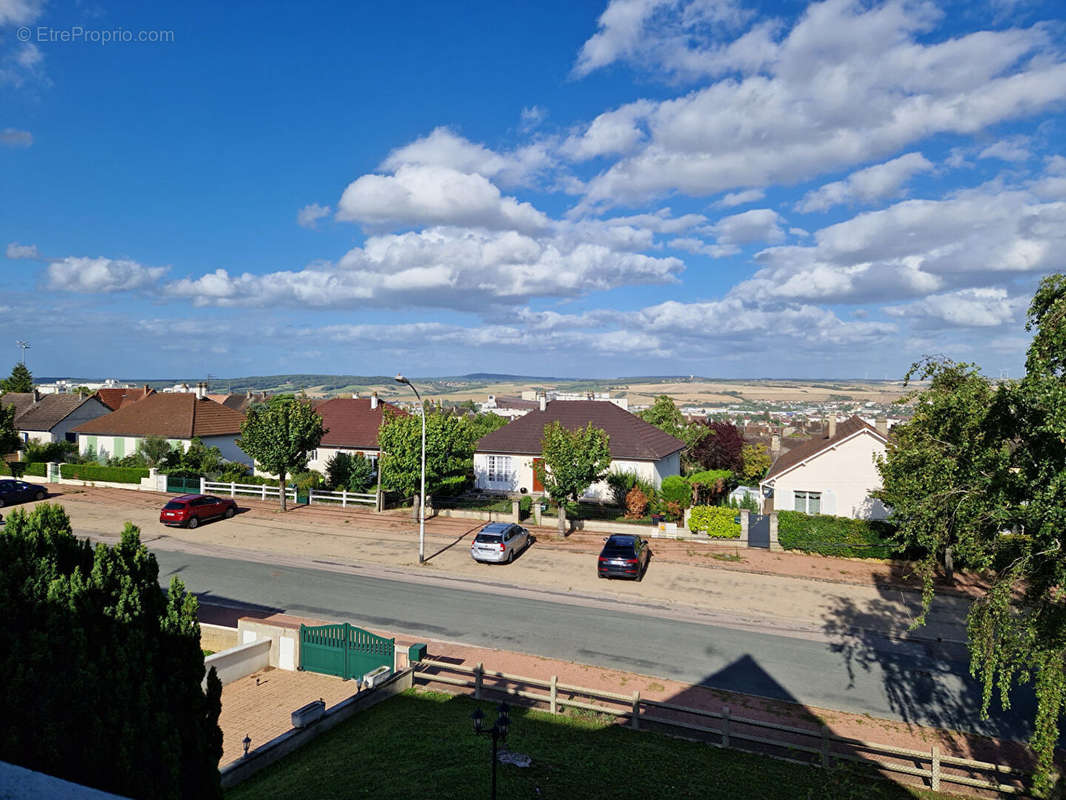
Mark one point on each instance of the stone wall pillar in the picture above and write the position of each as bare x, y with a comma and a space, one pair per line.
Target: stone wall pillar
536, 511
415, 508
775, 545
744, 523
516, 512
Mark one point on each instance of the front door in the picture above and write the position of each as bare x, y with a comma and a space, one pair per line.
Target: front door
538, 484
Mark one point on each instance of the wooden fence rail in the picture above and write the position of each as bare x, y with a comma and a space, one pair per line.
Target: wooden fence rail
731, 728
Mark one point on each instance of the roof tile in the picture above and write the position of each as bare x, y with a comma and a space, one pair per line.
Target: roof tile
176, 415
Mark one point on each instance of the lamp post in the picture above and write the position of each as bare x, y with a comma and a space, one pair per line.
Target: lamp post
498, 731
422, 494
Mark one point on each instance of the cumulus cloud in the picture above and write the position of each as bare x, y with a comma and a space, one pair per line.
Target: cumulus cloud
445, 148
972, 308
847, 84
20, 12
16, 251
13, 137
309, 215
733, 199
1014, 148
444, 267
879, 182
435, 195
101, 275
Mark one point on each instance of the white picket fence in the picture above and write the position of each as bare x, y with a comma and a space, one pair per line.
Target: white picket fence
246, 490
344, 499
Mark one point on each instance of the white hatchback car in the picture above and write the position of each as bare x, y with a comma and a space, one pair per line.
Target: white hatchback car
499, 542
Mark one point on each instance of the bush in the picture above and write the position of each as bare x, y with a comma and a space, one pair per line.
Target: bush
711, 485
676, 489
621, 482
95, 472
233, 472
525, 506
351, 471
747, 501
34, 469
719, 521
835, 536
52, 451
636, 503
309, 479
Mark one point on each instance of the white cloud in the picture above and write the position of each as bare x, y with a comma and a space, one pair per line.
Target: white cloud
20, 12
101, 275
532, 117
757, 225
445, 268
1015, 148
879, 182
309, 215
17, 251
973, 308
847, 84
23, 64
445, 148
435, 195
734, 199
13, 137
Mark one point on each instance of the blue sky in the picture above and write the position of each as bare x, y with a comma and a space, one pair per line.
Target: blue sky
714, 187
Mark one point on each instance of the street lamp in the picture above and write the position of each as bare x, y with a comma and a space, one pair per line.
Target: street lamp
498, 731
422, 495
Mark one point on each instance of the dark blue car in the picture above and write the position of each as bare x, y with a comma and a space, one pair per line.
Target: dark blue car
623, 556
12, 491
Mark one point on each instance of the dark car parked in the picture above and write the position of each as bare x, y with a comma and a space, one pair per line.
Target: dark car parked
12, 491
623, 556
192, 509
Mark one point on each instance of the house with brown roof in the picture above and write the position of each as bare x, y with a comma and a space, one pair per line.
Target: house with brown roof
178, 417
53, 417
352, 425
504, 460
116, 398
830, 474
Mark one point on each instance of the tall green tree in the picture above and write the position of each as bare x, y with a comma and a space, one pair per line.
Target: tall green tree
978, 476
20, 380
572, 462
155, 450
103, 665
755, 461
667, 417
9, 437
279, 435
450, 443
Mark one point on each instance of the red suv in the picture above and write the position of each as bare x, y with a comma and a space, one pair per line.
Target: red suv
192, 509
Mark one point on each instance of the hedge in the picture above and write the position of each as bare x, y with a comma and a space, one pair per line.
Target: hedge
96, 472
835, 536
36, 468
719, 521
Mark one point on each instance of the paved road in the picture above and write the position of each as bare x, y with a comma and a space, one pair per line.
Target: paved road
922, 682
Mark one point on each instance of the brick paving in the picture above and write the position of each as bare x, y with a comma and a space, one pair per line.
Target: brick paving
260, 705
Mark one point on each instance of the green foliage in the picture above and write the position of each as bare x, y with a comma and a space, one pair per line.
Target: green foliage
450, 443
622, 482
835, 536
711, 485
573, 460
719, 521
667, 417
155, 450
308, 479
351, 472
279, 434
484, 424
20, 380
10, 441
676, 489
756, 461
525, 506
109, 656
96, 472
31, 469
746, 501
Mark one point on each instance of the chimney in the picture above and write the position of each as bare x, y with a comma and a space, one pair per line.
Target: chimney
882, 426
36, 395
146, 388
355, 395
543, 402
373, 400
201, 390
775, 445
832, 426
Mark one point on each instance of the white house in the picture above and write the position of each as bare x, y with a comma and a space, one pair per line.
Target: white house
178, 418
830, 474
352, 425
53, 417
504, 459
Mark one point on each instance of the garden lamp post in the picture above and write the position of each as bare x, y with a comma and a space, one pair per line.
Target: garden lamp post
422, 494
498, 731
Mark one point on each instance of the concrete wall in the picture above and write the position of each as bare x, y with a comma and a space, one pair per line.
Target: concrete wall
236, 662
218, 637
285, 639
845, 475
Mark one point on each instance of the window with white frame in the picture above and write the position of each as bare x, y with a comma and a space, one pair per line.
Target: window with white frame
808, 502
500, 469
312, 455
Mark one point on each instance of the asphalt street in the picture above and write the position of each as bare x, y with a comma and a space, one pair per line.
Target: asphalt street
917, 681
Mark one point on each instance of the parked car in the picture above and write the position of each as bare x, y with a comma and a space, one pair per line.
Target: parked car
12, 491
623, 556
192, 509
498, 542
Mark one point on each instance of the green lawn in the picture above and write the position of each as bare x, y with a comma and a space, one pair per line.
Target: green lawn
421, 744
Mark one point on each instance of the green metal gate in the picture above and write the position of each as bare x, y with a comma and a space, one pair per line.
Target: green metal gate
179, 485
344, 650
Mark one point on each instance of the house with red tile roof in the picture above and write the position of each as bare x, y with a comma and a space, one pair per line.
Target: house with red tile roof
833, 473
504, 460
352, 425
116, 398
178, 417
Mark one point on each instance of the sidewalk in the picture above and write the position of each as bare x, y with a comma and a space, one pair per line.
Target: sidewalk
786, 591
